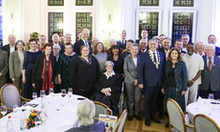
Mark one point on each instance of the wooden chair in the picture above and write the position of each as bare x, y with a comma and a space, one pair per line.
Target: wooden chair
101, 108
1, 115
176, 117
121, 121
204, 123
10, 95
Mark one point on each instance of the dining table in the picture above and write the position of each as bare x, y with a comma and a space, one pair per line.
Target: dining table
58, 114
208, 107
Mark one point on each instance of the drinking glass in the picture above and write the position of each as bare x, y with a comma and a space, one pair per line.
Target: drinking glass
15, 108
34, 95
42, 93
63, 92
51, 91
70, 92
3, 110
211, 96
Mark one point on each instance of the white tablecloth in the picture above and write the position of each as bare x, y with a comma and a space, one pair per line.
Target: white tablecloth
204, 106
61, 114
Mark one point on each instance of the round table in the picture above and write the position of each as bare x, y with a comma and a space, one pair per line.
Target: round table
60, 113
208, 107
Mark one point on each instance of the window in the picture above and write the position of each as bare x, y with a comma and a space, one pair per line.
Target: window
55, 2
148, 20
183, 3
84, 20
84, 2
149, 2
55, 23
183, 22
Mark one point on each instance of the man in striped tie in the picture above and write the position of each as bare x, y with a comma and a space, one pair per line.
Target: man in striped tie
211, 74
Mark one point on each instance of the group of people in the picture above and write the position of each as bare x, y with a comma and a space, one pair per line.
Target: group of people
155, 67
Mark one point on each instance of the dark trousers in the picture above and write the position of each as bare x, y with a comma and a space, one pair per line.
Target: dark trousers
205, 93
109, 100
160, 104
150, 101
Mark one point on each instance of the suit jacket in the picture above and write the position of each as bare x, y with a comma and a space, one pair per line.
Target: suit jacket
122, 46
147, 72
217, 51
96, 127
38, 68
15, 65
180, 75
7, 48
3, 62
211, 79
130, 69
78, 45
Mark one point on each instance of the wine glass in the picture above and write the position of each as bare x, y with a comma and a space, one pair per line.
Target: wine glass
42, 93
63, 92
15, 108
211, 96
51, 91
3, 110
34, 95
70, 92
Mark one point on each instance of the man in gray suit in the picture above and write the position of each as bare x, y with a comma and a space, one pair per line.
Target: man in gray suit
211, 74
3, 67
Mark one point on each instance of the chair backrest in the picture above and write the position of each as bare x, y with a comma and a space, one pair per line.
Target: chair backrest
101, 108
205, 124
10, 95
121, 121
176, 116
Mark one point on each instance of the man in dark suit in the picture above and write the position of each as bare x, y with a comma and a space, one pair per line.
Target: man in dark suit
9, 48
144, 35
179, 45
122, 43
211, 74
82, 41
212, 40
150, 69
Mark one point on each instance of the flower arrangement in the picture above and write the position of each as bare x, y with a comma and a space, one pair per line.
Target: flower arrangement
33, 117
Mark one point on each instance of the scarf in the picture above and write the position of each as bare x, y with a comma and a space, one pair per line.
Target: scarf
47, 76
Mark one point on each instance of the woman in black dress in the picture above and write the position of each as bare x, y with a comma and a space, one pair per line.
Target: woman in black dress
29, 61
117, 59
83, 73
108, 87
44, 71
63, 66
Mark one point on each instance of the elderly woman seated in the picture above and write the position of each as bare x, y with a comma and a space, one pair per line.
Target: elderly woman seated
86, 115
108, 87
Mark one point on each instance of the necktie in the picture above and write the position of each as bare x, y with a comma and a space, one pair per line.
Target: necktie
155, 59
210, 64
123, 42
86, 43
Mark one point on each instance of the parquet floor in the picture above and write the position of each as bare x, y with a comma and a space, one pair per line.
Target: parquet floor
139, 126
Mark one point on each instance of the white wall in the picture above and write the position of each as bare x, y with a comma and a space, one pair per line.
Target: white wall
217, 21
12, 19
31, 16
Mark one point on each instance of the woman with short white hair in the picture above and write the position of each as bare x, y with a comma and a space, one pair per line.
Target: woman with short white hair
86, 114
108, 87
